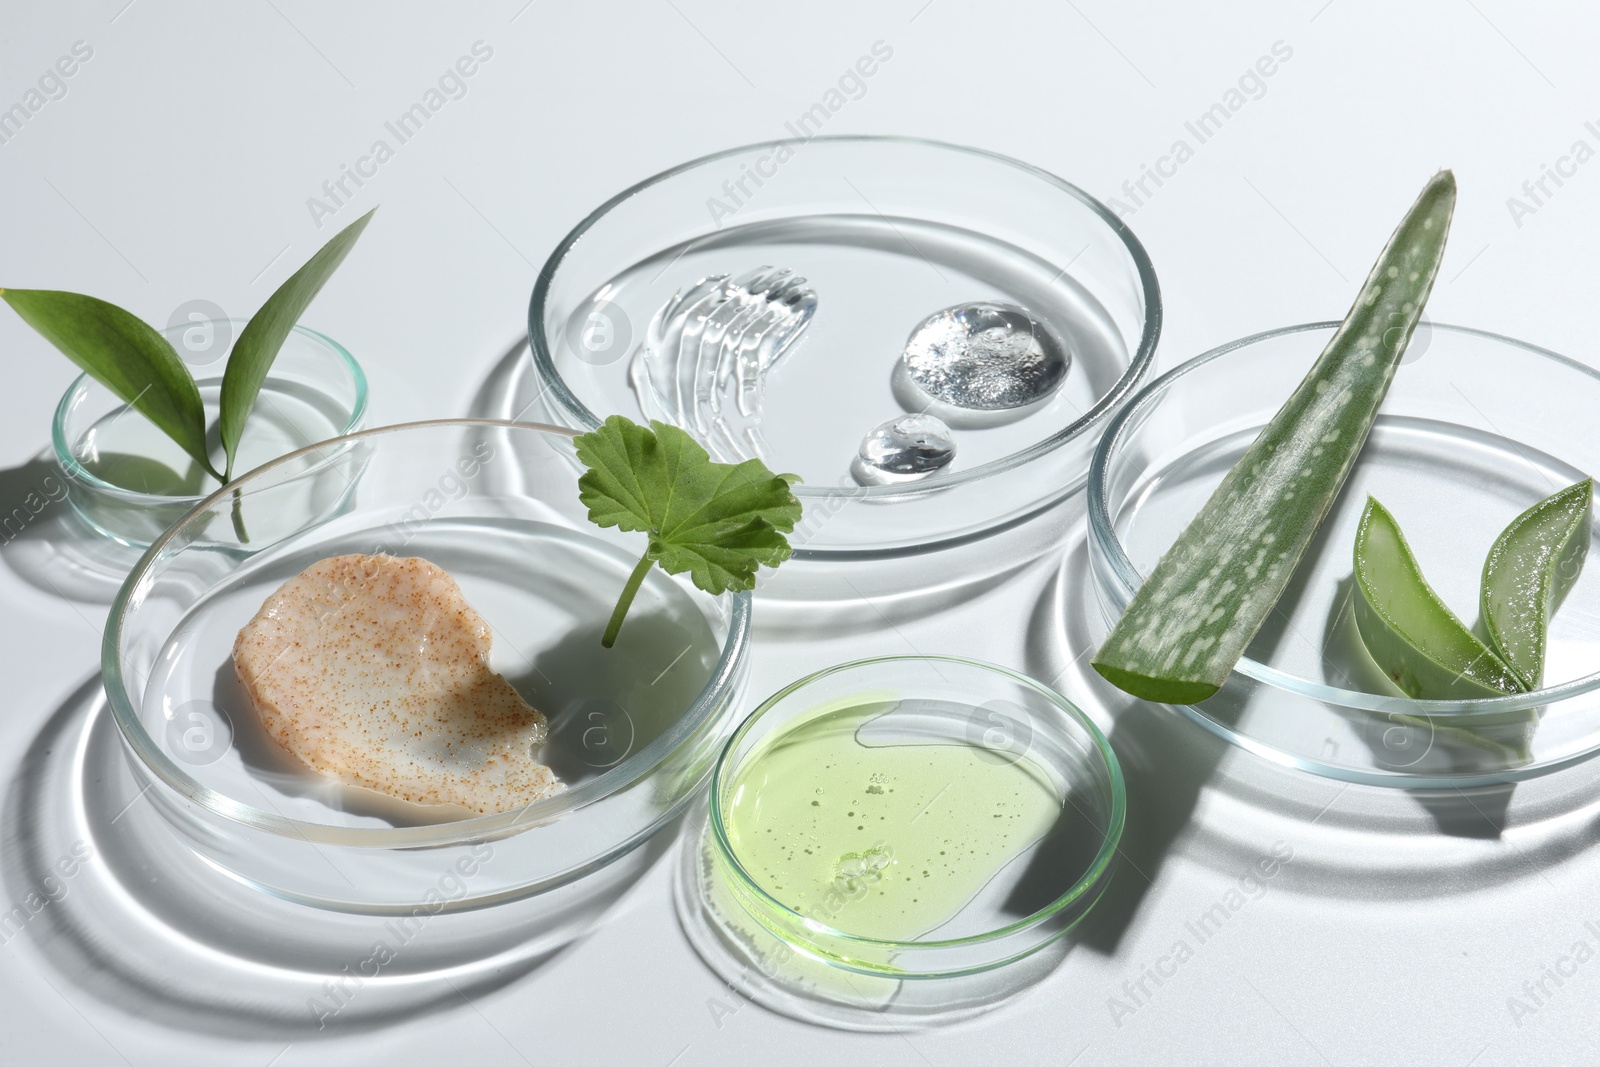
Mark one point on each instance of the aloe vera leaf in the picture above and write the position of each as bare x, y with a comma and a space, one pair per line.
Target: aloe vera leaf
127, 356
1536, 556
1195, 614
264, 334
1418, 642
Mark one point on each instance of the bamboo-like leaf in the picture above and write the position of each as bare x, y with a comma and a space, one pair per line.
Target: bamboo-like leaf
264, 334
124, 354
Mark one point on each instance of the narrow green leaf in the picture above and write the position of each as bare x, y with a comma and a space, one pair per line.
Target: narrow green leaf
124, 354
264, 334
1197, 611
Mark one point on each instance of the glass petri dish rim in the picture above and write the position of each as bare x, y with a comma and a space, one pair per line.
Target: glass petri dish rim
69, 462
1103, 534
1098, 869
1140, 362
728, 669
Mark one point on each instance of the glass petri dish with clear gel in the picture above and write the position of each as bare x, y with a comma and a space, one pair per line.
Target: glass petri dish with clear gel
886, 231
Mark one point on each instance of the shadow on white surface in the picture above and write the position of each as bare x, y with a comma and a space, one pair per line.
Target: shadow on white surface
817, 599
810, 599
512, 388
1166, 763
131, 917
47, 546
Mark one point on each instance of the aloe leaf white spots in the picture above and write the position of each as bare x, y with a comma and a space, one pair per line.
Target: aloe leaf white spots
1278, 485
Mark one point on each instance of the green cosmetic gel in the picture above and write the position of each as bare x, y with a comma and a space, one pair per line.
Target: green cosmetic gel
882, 841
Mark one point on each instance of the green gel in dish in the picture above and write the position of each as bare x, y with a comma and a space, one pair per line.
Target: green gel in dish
887, 841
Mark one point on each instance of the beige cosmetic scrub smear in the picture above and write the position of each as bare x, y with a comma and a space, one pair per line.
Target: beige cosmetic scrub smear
375, 670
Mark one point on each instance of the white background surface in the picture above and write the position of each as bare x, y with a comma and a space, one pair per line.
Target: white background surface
179, 163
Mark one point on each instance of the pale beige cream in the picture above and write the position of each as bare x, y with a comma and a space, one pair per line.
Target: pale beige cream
375, 670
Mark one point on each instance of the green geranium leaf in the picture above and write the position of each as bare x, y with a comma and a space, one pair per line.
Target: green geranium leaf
264, 334
716, 522
124, 354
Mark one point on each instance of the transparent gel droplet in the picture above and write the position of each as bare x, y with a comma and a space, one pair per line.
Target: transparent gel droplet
985, 356
706, 354
904, 449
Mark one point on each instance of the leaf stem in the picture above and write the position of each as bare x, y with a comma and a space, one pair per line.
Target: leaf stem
238, 502
625, 601
238, 519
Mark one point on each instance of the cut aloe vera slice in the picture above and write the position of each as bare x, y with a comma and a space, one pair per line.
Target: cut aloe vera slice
1194, 615
1420, 644
1530, 565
